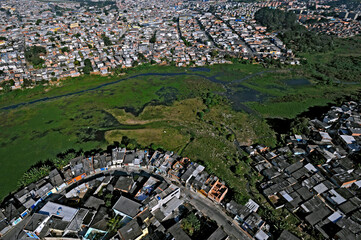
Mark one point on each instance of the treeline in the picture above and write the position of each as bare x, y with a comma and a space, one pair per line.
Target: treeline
42, 169
294, 35
306, 41
343, 69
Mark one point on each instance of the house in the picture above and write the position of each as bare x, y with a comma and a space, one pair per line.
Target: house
127, 207
262, 235
44, 190
55, 177
77, 224
93, 203
36, 226
177, 232
10, 211
25, 197
129, 158
131, 231
219, 234
344, 179
99, 224
286, 235
323, 137
349, 142
193, 170
164, 197
56, 226
118, 155
318, 215
147, 189
218, 191
165, 211
62, 212
253, 223
124, 184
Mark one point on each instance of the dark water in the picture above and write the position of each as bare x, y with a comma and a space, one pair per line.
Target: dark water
298, 82
200, 69
282, 126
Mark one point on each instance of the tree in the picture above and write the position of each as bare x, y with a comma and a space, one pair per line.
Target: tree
241, 198
6, 86
135, 63
114, 224
108, 200
214, 53
87, 66
231, 137
106, 40
300, 125
65, 49
275, 19
33, 175
191, 224
154, 37
200, 115
32, 55
27, 83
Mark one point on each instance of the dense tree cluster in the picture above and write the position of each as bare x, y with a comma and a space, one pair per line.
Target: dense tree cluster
294, 35
87, 66
32, 56
154, 37
191, 224
344, 69
6, 85
275, 19
33, 175
106, 40
302, 40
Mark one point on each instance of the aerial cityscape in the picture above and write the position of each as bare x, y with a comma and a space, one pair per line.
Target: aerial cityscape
214, 120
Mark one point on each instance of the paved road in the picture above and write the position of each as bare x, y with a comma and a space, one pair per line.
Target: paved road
215, 212
17, 231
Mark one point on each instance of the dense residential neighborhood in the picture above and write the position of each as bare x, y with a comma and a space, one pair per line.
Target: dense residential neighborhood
314, 176
77, 38
148, 193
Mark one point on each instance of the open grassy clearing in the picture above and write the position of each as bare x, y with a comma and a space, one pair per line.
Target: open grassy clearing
167, 137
